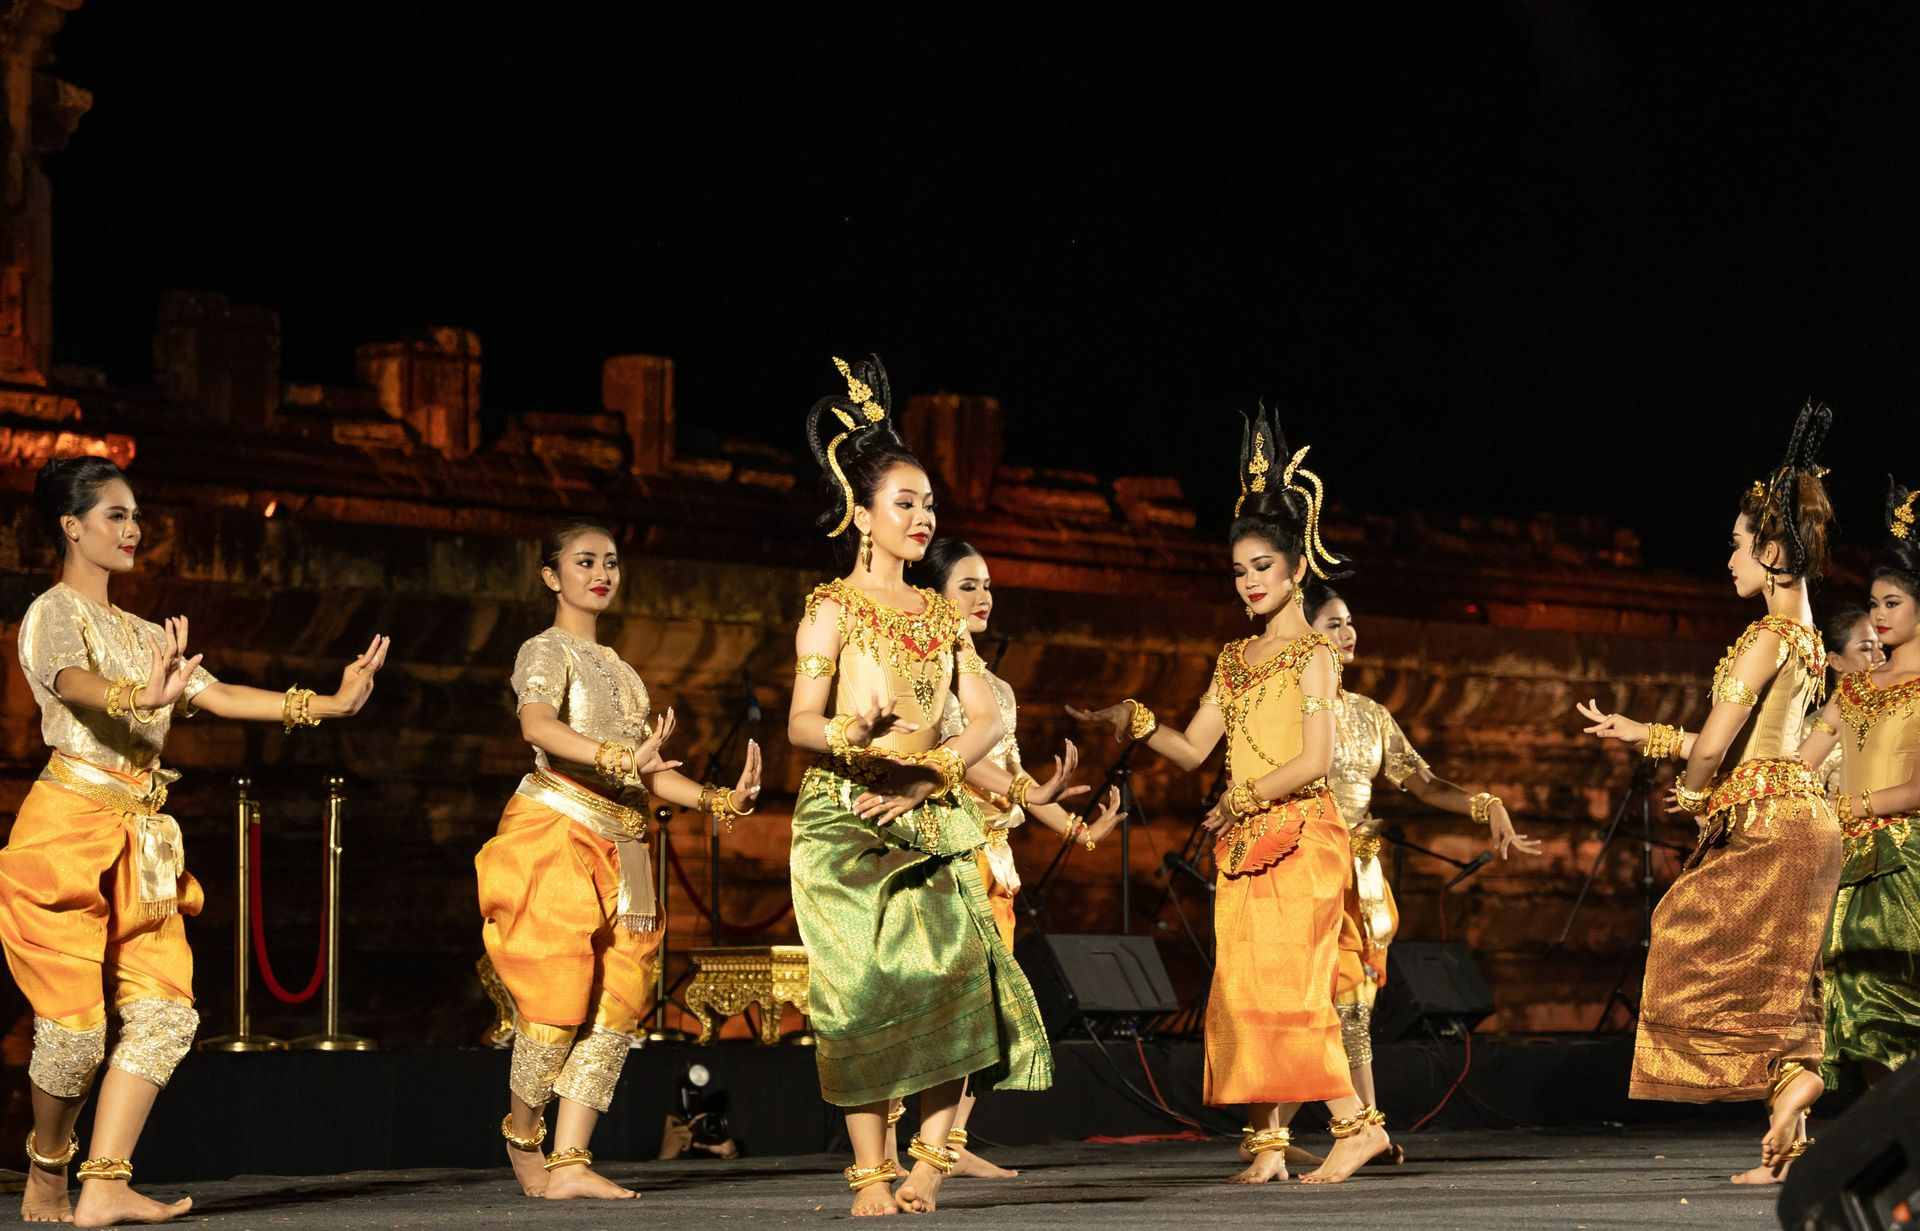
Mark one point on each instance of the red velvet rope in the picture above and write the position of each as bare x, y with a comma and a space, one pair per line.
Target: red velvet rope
260, 959
738, 929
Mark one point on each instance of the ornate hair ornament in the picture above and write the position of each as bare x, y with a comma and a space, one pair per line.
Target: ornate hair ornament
1900, 515
1778, 493
1261, 446
862, 394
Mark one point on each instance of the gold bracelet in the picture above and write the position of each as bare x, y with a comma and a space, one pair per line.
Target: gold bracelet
295, 710
717, 801
1692, 801
1662, 743
614, 759
1866, 807
1480, 807
1242, 801
120, 695
1141, 722
1022, 783
952, 766
838, 745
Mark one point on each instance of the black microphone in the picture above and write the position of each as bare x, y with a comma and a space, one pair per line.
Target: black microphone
753, 702
1174, 863
1479, 861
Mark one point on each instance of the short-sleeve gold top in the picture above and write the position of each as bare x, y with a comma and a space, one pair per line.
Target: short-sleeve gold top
1368, 743
1000, 813
1263, 705
592, 689
63, 628
886, 652
1780, 714
1882, 735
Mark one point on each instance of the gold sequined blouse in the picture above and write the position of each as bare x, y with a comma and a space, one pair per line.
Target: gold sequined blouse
592, 689
1263, 706
998, 811
63, 628
1780, 715
887, 652
1880, 729
1367, 744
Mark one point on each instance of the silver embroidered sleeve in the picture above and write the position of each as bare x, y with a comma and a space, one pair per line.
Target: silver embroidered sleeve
155, 1035
535, 1067
593, 1069
64, 1060
1356, 1032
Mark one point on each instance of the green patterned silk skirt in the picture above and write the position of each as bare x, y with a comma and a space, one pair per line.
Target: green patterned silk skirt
910, 983
1873, 954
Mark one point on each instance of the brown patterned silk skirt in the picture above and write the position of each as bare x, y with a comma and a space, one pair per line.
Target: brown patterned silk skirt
1731, 990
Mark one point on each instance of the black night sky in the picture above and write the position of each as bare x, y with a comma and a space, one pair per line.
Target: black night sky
1501, 257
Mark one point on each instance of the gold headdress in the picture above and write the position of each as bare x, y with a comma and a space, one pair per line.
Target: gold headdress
1900, 513
867, 394
1261, 447
1777, 495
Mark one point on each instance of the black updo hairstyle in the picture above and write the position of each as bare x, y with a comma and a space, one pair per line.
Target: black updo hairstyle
1900, 561
69, 487
943, 556
1791, 507
553, 544
870, 450
1276, 514
1836, 631
1315, 597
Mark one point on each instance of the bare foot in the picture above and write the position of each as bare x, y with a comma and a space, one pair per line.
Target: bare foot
109, 1203
972, 1164
529, 1168
873, 1201
44, 1199
570, 1183
1349, 1154
1271, 1165
1763, 1174
920, 1194
1296, 1157
1787, 1120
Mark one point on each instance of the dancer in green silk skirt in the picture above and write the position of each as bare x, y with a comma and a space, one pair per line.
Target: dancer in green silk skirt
912, 988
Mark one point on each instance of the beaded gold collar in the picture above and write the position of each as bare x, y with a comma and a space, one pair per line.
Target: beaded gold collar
1863, 703
1238, 675
1800, 640
913, 644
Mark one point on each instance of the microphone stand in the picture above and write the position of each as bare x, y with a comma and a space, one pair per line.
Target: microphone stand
748, 715
1119, 777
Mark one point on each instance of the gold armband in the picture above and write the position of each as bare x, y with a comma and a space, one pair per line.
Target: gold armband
1022, 783
1311, 705
1692, 801
814, 666
1731, 687
1140, 721
1480, 807
296, 710
1663, 742
1824, 725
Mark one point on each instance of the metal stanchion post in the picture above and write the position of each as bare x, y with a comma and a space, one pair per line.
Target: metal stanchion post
659, 1031
330, 1038
246, 816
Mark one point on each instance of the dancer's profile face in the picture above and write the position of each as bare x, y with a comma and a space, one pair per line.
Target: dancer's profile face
900, 518
587, 575
1863, 651
108, 534
970, 589
1893, 612
1337, 623
1263, 576
1748, 560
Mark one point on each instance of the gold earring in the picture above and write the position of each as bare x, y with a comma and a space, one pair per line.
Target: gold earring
1769, 585
1293, 592
866, 552
1249, 611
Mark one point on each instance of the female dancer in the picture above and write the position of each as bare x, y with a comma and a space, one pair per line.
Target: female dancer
1873, 946
1730, 1009
566, 885
1852, 645
1273, 1039
912, 989
93, 880
958, 572
1368, 743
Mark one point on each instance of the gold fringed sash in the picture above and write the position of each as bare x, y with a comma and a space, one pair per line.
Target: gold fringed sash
625, 827
159, 852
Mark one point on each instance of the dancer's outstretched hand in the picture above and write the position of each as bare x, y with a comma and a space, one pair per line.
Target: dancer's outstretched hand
356, 682
1612, 726
748, 792
646, 757
875, 720
1108, 816
169, 670
1118, 717
1501, 835
1055, 788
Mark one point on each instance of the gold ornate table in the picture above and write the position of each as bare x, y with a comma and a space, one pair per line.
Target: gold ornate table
728, 980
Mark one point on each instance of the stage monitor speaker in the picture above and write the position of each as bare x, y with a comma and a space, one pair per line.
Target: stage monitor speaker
1095, 978
1432, 986
1863, 1171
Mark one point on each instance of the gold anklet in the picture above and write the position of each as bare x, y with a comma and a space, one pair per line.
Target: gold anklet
106, 1169
529, 1144
894, 1113
957, 1138
52, 1164
578, 1156
1359, 1122
1798, 1148
1266, 1140
1376, 1117
940, 1159
866, 1177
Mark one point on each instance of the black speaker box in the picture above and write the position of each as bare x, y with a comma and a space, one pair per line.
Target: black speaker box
1094, 978
1862, 1172
1430, 985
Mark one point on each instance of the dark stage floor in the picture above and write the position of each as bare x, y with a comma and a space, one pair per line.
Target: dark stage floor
1484, 1181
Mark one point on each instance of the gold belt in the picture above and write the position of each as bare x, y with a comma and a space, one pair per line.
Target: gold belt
159, 852
625, 827
1862, 826
1752, 781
